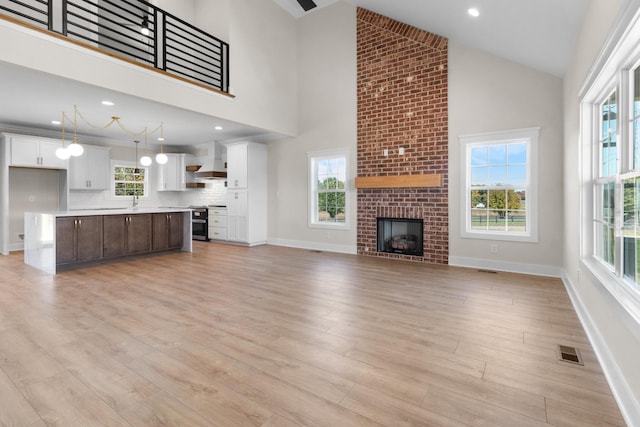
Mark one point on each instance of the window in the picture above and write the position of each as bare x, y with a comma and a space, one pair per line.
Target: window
129, 180
610, 174
605, 180
328, 195
616, 178
499, 199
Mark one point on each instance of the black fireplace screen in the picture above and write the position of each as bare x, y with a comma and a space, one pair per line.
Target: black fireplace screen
400, 236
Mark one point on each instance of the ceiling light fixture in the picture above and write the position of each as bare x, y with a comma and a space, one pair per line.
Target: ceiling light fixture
108, 103
473, 12
55, 122
161, 158
62, 152
145, 160
218, 127
75, 149
145, 27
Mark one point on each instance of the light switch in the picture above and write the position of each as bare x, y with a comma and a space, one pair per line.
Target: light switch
385, 152
401, 151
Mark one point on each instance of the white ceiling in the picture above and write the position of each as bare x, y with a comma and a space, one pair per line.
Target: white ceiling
536, 33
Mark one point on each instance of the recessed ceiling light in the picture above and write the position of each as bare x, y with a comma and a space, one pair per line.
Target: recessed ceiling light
55, 122
473, 12
218, 127
108, 103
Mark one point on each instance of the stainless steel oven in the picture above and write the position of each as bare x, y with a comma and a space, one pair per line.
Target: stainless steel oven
200, 222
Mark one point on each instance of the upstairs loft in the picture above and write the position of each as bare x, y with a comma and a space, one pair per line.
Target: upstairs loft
131, 30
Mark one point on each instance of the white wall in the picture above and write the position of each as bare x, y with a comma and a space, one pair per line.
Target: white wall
263, 62
183, 9
488, 94
213, 17
614, 335
327, 105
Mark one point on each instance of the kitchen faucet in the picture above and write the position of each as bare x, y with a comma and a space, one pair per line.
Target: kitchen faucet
135, 201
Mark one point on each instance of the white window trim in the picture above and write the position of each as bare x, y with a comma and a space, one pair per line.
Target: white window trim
312, 204
619, 55
469, 141
128, 164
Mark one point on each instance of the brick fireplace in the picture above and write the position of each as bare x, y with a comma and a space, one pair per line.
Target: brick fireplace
402, 130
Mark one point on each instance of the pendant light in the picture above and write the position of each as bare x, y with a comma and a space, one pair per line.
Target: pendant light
75, 149
63, 152
145, 27
161, 158
145, 160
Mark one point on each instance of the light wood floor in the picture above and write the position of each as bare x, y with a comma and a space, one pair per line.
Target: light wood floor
269, 336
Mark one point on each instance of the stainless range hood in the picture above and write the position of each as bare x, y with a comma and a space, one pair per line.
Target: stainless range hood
214, 164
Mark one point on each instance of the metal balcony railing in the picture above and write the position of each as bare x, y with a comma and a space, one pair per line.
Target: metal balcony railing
134, 29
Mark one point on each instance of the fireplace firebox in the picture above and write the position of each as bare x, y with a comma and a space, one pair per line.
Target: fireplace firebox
400, 236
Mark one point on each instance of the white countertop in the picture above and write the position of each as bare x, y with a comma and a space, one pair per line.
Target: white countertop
113, 211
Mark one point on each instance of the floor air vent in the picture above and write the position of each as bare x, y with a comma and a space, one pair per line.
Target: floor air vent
570, 355
488, 271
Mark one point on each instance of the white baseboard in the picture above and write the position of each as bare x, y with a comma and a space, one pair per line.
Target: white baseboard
327, 247
16, 247
629, 406
512, 267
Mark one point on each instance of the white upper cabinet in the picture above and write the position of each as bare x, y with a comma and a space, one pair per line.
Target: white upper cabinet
36, 152
90, 171
237, 165
172, 175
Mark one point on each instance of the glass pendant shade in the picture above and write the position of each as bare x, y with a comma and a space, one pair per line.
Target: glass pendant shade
145, 160
75, 149
161, 158
63, 153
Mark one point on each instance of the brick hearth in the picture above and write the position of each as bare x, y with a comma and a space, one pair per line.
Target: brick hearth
402, 103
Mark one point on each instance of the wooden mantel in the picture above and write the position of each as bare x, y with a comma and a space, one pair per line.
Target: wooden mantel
399, 181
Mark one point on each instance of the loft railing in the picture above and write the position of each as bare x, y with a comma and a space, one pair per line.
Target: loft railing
135, 29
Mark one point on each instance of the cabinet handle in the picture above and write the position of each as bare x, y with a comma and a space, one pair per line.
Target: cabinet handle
236, 196
75, 223
79, 223
235, 183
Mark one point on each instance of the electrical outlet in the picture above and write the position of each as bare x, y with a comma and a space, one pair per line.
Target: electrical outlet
385, 152
401, 151
21, 236
494, 248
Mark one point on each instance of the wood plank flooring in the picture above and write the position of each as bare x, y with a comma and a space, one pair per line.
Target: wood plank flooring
280, 337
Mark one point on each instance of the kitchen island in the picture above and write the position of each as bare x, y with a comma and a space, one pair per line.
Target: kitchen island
56, 240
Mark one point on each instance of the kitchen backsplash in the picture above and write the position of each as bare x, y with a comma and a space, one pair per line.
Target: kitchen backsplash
214, 193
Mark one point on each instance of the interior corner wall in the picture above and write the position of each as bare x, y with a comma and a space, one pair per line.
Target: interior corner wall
326, 121
489, 94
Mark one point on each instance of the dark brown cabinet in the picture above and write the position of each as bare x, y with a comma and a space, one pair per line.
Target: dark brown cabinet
126, 234
168, 231
78, 239
95, 237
